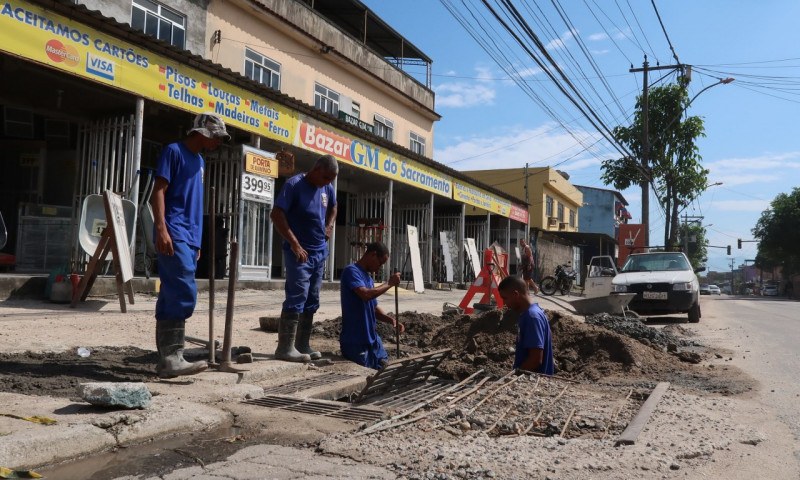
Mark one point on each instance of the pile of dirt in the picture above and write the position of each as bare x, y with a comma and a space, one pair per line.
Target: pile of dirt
420, 329
636, 329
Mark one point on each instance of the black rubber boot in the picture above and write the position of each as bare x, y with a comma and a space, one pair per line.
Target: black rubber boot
287, 331
301, 343
170, 338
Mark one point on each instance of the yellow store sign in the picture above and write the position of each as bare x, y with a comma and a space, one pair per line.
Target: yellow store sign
260, 165
40, 35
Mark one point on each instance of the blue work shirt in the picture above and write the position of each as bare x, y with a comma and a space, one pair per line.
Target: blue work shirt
306, 207
183, 198
534, 332
359, 324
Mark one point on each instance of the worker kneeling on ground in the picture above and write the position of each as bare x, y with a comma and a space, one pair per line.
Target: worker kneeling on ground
359, 340
534, 343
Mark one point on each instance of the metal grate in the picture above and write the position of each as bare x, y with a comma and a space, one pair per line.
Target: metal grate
408, 398
401, 373
321, 408
306, 383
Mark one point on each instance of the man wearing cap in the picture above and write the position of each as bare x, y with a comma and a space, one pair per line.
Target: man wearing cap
304, 215
177, 203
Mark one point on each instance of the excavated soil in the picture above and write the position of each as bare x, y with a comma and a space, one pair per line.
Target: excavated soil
612, 350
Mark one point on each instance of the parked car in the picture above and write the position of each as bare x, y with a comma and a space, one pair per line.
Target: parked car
770, 290
714, 290
664, 283
704, 290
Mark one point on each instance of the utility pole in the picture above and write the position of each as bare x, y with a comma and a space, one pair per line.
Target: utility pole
645, 160
527, 207
732, 280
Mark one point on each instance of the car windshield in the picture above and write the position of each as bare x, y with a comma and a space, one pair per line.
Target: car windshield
656, 262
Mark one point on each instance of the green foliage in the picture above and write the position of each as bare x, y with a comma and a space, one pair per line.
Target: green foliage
698, 243
674, 168
778, 233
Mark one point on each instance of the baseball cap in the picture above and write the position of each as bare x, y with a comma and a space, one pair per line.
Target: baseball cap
210, 126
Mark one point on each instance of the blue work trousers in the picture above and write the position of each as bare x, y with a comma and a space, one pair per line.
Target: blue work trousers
303, 281
370, 356
178, 294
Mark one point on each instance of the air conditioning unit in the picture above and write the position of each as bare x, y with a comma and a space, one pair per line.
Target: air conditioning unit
552, 221
562, 226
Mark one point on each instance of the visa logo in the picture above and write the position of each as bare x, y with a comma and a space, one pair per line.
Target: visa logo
100, 66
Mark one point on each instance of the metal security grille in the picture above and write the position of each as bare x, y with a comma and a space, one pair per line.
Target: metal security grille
416, 215
105, 153
476, 229
307, 383
224, 172
342, 411
367, 214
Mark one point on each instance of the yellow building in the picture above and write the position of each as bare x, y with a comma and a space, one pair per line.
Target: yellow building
553, 200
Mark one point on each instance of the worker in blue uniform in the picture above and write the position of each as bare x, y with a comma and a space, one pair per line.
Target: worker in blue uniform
534, 349
177, 203
304, 215
359, 340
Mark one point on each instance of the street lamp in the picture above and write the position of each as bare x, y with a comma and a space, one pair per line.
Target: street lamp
722, 81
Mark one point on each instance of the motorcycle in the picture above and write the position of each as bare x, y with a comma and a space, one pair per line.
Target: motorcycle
562, 280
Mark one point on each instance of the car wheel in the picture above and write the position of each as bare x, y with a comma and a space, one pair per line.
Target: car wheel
694, 313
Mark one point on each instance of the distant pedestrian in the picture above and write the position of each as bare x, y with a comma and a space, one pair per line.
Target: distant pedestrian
177, 202
534, 349
304, 215
527, 265
359, 340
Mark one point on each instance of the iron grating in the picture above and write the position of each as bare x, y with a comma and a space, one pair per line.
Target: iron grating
400, 374
342, 411
306, 383
419, 393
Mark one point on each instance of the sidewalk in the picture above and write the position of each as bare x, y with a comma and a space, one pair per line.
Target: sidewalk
180, 406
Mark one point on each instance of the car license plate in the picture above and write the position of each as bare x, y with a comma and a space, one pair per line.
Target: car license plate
654, 295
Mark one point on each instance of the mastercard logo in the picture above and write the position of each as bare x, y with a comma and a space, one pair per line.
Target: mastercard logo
58, 52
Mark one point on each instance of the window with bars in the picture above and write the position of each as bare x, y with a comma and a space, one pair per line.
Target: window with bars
262, 69
384, 127
326, 99
560, 212
572, 218
417, 144
159, 21
548, 206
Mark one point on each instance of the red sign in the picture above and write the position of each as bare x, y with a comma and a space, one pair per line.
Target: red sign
323, 141
519, 214
631, 240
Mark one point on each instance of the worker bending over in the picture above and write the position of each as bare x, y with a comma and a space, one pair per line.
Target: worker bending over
359, 340
534, 351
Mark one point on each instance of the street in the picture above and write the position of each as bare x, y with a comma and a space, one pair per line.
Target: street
762, 333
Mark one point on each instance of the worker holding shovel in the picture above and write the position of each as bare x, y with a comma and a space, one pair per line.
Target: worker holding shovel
359, 340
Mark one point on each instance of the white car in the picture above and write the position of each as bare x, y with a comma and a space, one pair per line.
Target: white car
714, 290
770, 291
664, 283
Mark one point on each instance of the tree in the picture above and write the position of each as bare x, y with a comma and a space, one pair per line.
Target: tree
674, 169
698, 243
778, 234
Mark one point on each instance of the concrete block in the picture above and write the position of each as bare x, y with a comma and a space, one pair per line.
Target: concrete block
111, 394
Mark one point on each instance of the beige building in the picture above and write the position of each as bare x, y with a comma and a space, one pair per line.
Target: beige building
96, 88
553, 201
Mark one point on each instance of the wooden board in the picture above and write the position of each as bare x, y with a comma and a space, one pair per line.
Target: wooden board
116, 218
416, 260
631, 433
447, 255
472, 254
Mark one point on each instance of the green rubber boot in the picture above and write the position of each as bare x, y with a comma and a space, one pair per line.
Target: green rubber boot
287, 331
170, 337
301, 343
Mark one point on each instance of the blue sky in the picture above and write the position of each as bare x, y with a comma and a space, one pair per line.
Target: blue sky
751, 124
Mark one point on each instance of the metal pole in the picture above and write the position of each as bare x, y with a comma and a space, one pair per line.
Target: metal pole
645, 155
388, 226
488, 232
332, 243
461, 240
137, 165
527, 207
430, 242
212, 256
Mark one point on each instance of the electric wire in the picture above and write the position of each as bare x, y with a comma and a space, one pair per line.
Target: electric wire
610, 37
644, 35
666, 35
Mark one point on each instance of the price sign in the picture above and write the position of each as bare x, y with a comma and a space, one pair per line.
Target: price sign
257, 188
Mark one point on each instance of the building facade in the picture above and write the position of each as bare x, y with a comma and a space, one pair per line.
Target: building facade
90, 98
603, 211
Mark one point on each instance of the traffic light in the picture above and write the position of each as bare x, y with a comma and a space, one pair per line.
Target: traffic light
729, 248
740, 244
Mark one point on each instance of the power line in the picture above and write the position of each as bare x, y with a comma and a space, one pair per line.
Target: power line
647, 40
674, 55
